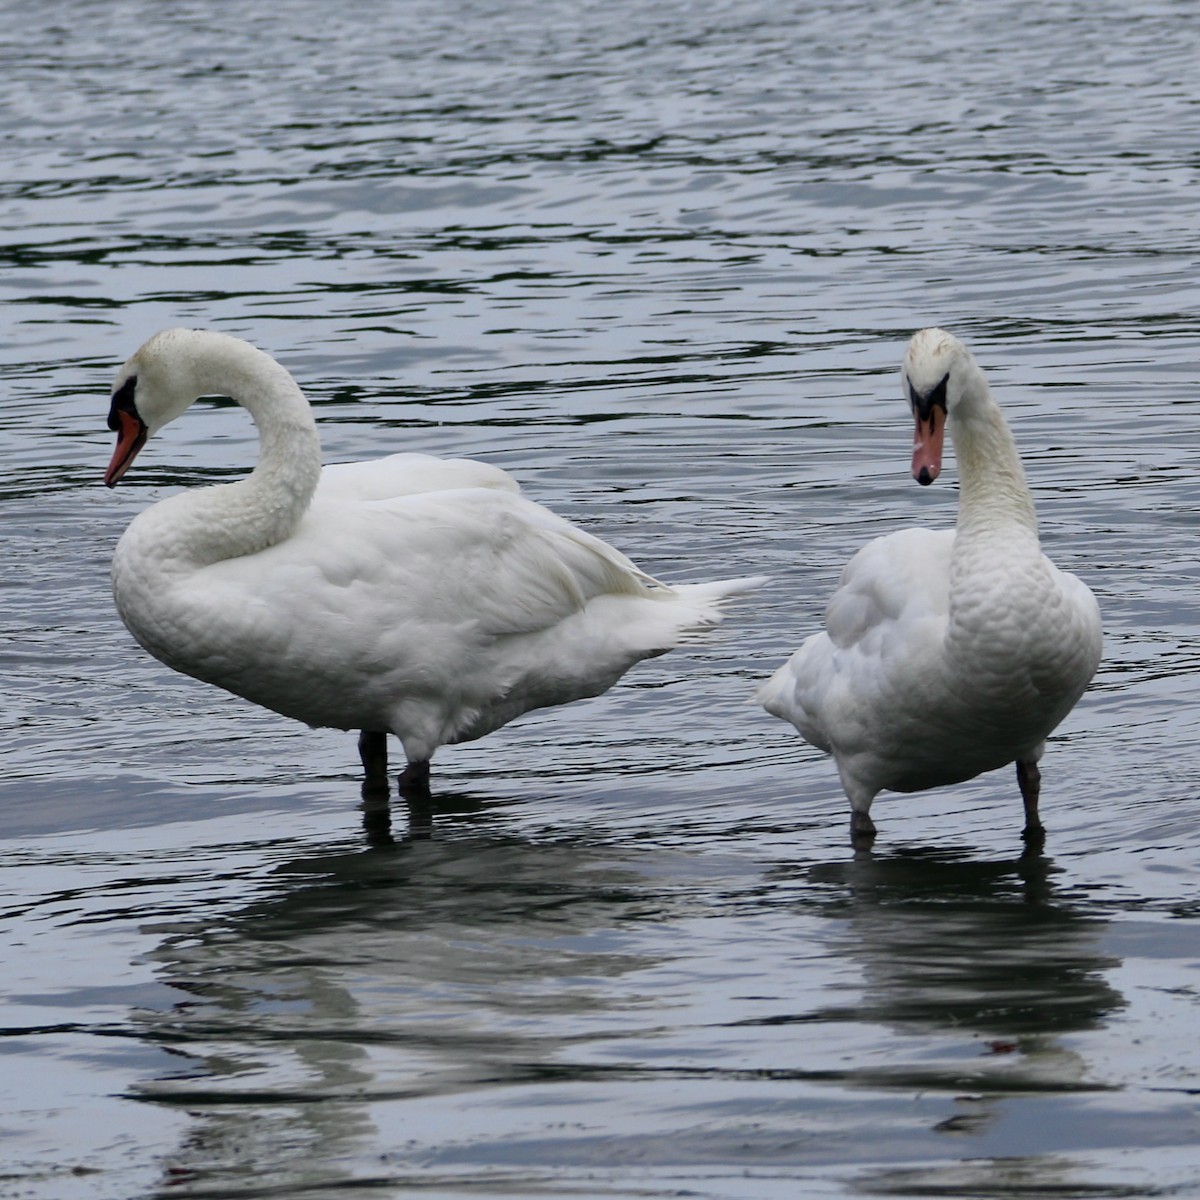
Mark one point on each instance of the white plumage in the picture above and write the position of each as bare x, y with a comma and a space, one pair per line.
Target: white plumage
413, 595
946, 653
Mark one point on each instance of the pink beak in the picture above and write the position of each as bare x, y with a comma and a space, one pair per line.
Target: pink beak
927, 445
131, 437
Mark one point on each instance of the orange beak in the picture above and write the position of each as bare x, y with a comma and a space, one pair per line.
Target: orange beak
927, 444
131, 437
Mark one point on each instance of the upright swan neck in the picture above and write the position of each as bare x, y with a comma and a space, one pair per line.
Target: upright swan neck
230, 520
993, 491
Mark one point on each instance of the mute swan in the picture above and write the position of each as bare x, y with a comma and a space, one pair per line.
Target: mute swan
411, 595
946, 653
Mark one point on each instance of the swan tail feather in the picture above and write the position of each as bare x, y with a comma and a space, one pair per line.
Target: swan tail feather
705, 604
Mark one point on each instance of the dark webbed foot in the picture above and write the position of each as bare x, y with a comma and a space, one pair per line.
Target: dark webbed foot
1034, 836
1029, 780
413, 781
862, 828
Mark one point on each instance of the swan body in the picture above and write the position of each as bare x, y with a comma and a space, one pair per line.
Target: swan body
946, 653
413, 595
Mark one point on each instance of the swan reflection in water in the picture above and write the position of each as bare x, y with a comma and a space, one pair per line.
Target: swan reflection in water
951, 941
365, 993
435, 1006
980, 970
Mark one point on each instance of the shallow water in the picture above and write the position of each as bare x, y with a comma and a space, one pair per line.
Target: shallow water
661, 265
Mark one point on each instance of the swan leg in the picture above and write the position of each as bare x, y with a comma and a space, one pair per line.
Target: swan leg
1029, 780
862, 828
372, 749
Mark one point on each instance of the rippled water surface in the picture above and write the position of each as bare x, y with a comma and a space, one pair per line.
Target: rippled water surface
660, 261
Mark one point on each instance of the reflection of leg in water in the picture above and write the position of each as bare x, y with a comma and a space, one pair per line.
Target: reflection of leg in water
377, 813
377, 819
1029, 779
414, 790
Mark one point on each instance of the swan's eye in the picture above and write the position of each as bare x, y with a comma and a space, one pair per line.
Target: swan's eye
938, 395
122, 401
934, 398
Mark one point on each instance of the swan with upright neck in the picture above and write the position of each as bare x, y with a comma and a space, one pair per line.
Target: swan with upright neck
947, 653
409, 595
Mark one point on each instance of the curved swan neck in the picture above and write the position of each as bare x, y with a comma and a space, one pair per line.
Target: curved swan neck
234, 519
993, 490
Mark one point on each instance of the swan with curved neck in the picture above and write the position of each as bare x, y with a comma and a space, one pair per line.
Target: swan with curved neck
946, 653
409, 595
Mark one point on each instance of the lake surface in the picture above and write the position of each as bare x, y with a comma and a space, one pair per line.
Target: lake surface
660, 262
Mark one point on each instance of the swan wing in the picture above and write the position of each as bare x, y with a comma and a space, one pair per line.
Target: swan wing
890, 582
881, 644
440, 615
435, 577
504, 563
1071, 640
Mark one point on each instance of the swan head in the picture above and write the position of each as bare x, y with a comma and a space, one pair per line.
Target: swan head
158, 383
935, 374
